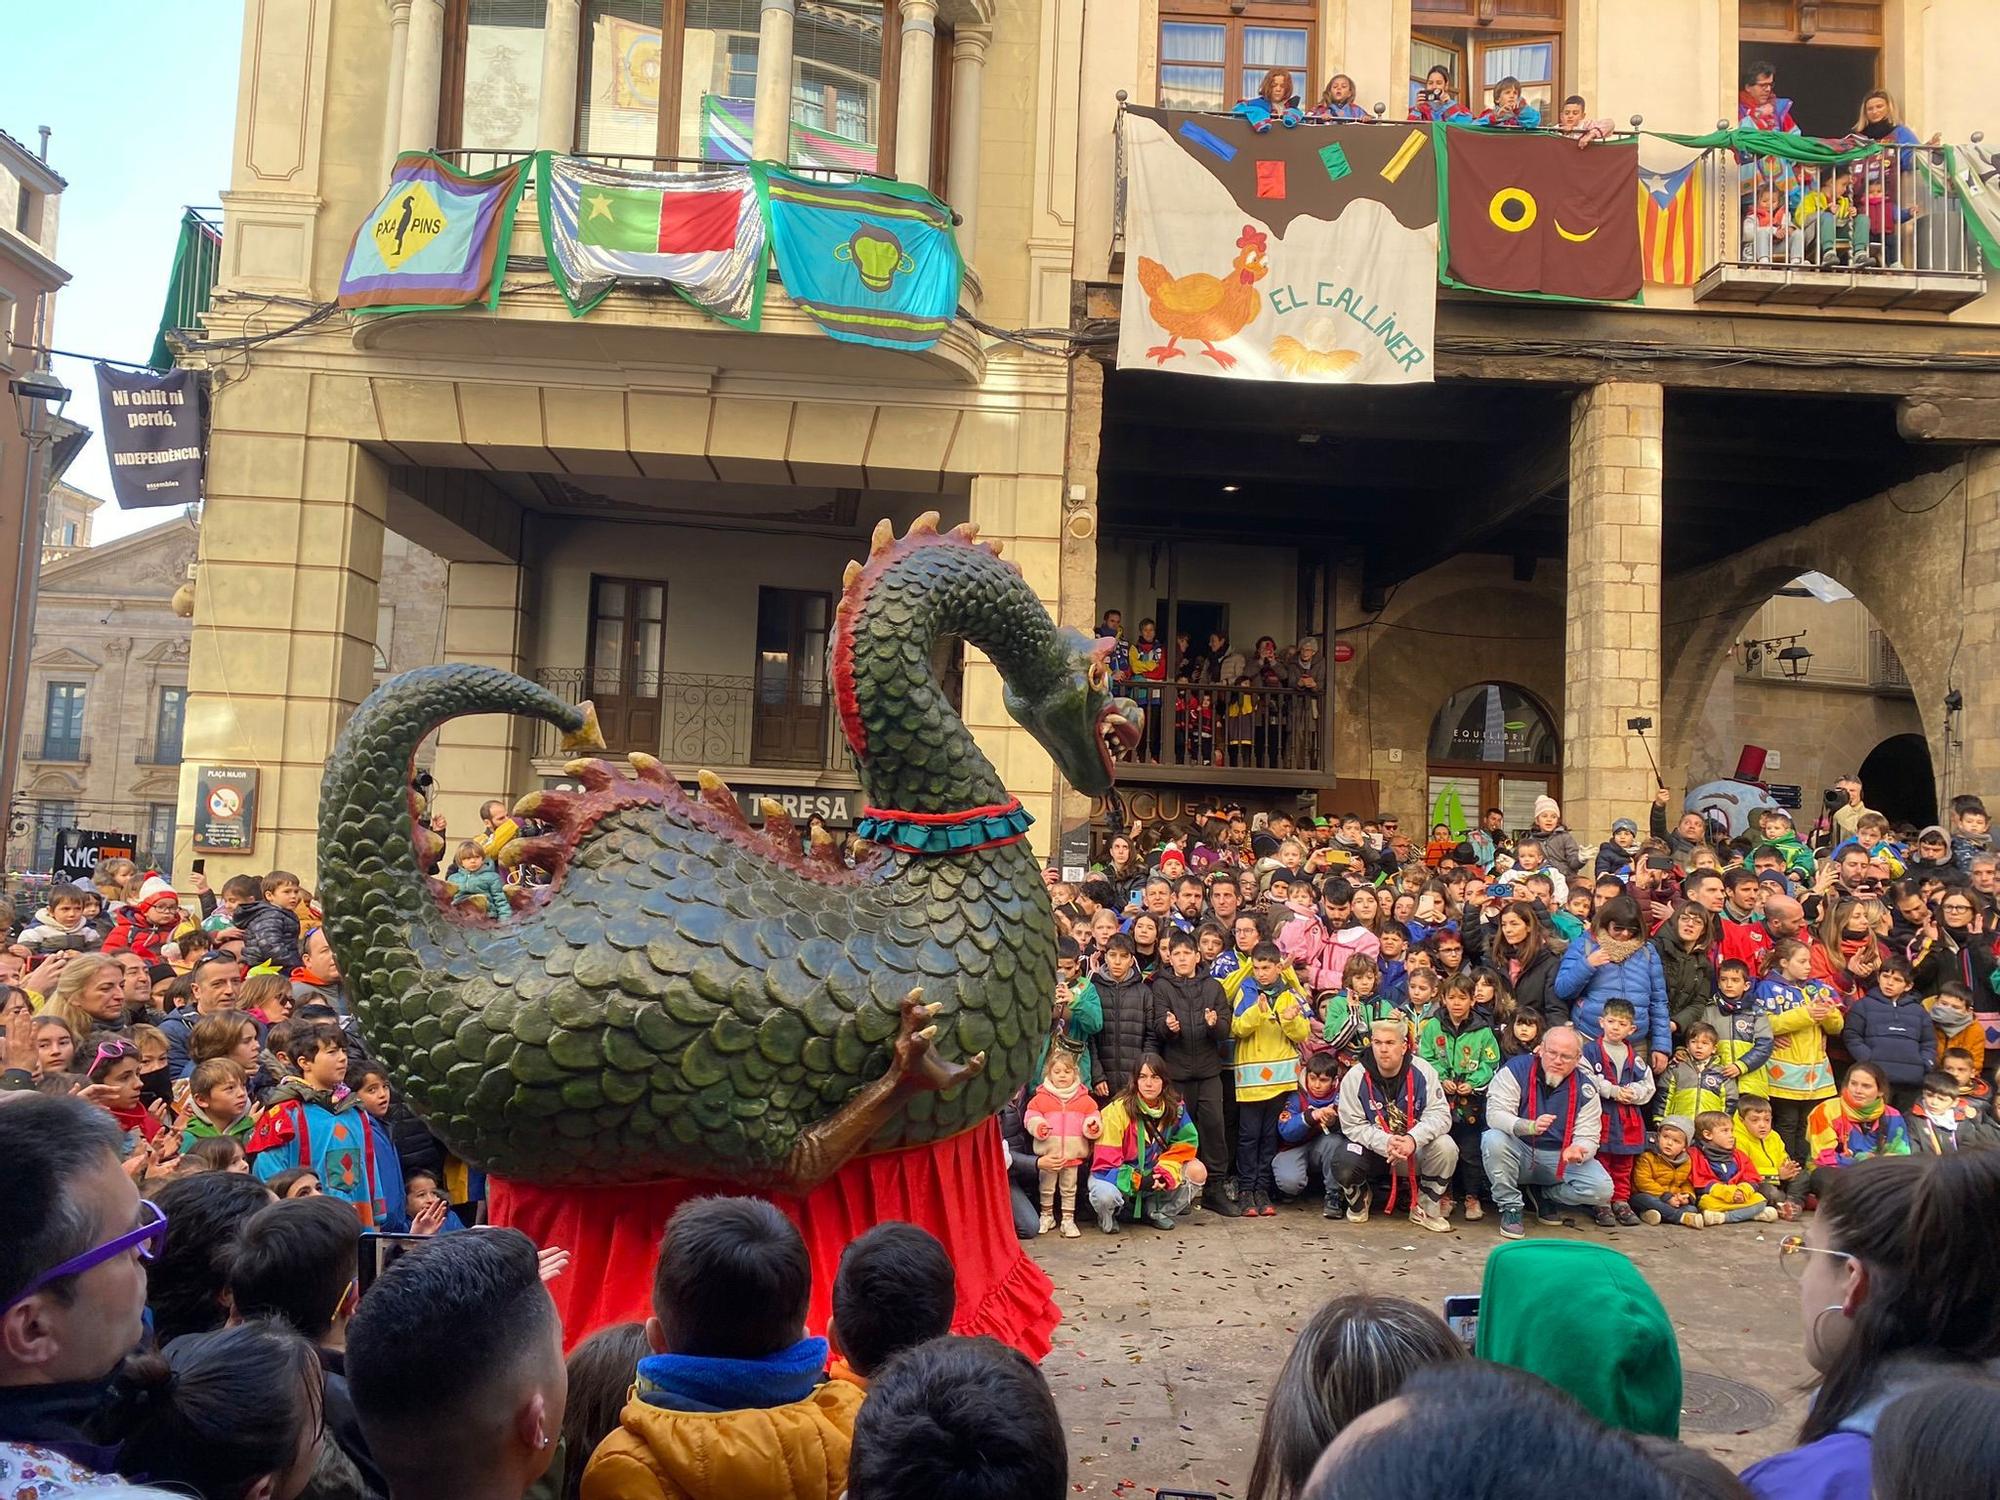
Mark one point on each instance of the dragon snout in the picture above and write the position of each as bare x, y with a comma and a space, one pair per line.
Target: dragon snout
1121, 724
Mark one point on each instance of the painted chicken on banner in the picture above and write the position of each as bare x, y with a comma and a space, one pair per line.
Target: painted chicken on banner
1307, 254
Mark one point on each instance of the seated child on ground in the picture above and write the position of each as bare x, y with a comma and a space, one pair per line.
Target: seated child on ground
1309, 1130
1782, 1181
895, 1289
734, 1403
1063, 1121
1854, 1124
1724, 1176
1663, 1178
1955, 1062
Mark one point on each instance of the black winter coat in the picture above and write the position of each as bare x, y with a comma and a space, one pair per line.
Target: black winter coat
1131, 1028
1536, 988
1690, 980
1195, 1051
1896, 1035
270, 936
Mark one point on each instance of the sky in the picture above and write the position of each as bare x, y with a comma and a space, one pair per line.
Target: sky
141, 97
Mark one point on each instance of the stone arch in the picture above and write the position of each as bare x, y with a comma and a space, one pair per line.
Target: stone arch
1900, 779
1551, 713
1898, 552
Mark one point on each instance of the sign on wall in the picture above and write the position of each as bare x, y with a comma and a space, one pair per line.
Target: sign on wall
225, 807
839, 807
152, 424
78, 851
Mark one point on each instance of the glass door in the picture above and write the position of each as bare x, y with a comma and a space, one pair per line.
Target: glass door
788, 721
628, 646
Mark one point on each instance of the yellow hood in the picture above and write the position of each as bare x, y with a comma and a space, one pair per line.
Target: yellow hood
793, 1452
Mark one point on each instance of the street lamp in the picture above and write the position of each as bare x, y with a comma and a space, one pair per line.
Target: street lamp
36, 389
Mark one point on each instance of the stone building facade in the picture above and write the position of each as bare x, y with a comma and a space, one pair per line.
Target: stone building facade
1555, 535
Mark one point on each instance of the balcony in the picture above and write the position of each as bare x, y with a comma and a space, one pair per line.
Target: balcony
61, 750
693, 721
1241, 736
150, 754
1885, 668
1897, 240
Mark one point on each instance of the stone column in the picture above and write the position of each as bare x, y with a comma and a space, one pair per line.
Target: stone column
915, 95
423, 76
283, 641
488, 607
392, 114
1612, 636
968, 87
1076, 543
771, 130
1972, 748
555, 118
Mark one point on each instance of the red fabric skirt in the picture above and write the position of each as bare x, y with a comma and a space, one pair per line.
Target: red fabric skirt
957, 1189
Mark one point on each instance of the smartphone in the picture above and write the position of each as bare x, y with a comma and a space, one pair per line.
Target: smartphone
200, 867
380, 1250
1461, 1315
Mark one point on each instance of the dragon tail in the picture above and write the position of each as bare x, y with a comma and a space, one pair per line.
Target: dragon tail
374, 856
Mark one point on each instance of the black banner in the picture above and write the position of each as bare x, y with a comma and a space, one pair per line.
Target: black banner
153, 434
79, 849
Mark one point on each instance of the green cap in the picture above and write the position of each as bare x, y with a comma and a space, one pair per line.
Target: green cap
1582, 1317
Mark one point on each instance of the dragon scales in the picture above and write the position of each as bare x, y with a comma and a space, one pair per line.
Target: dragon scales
693, 998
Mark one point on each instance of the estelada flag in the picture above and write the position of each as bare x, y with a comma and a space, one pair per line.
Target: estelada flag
1539, 216
1666, 225
700, 234
435, 240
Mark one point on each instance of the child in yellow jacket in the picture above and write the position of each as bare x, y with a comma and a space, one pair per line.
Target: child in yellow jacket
1781, 1180
734, 1400
1662, 1178
1270, 1023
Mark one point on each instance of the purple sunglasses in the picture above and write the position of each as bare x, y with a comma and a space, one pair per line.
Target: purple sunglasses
148, 1239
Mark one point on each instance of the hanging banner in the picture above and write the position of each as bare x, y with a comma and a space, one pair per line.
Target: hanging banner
79, 851
726, 135
1301, 255
699, 234
1668, 205
152, 426
1534, 216
873, 262
1970, 174
437, 239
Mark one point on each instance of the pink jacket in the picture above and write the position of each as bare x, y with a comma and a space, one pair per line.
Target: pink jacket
1066, 1144
1321, 957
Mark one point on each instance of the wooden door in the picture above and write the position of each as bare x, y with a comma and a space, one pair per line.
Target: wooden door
788, 718
628, 647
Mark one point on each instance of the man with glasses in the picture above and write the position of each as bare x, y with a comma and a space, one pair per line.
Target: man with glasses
72, 1281
1543, 1124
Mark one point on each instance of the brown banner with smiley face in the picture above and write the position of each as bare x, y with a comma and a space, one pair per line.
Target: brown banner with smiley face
1540, 216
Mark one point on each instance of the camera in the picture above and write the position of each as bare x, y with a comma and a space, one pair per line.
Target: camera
1833, 796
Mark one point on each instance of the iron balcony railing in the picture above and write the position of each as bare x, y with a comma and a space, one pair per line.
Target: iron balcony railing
1887, 230
699, 720
149, 753
483, 159
68, 750
1885, 668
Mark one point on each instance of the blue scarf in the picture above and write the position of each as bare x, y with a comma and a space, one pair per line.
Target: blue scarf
693, 1382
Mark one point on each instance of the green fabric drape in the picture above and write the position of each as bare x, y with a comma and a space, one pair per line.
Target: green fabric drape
1794, 148
197, 263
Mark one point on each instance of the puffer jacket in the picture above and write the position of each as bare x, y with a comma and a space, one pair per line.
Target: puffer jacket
1689, 977
1896, 1035
270, 936
1196, 1050
1638, 980
1131, 1028
1562, 850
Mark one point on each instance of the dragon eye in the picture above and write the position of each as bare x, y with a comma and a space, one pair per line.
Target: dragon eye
1512, 209
1099, 676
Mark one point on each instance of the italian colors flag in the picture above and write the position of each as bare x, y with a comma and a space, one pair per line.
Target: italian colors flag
647, 221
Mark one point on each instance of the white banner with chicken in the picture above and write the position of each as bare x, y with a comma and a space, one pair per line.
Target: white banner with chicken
1306, 253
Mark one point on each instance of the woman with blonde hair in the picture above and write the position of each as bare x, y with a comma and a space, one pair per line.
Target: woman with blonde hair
1338, 102
90, 996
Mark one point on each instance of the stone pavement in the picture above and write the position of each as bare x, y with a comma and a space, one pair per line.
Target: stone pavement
1170, 1341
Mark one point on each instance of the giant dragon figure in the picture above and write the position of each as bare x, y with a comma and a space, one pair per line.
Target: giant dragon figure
693, 999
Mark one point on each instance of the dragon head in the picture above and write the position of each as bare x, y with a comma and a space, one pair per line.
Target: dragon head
1077, 720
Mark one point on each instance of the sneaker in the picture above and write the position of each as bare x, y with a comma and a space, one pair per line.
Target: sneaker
1622, 1212
1264, 1206
1070, 1231
1829, 260
1693, 1220
1437, 1223
1473, 1212
1712, 1215
1545, 1213
1160, 1221
1650, 1216
1510, 1224
1601, 1216
1333, 1210
1107, 1220
1357, 1207
1445, 1206
1768, 1216
1048, 1223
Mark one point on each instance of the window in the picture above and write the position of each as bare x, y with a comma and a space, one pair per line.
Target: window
69, 534
8, 308
62, 722
167, 726
627, 661
24, 211
51, 817
385, 635
492, 86
1493, 722
1214, 52
837, 90
157, 850
1483, 41
789, 725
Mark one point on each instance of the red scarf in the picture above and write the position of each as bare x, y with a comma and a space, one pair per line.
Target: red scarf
1569, 1119
1631, 1124
137, 1118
